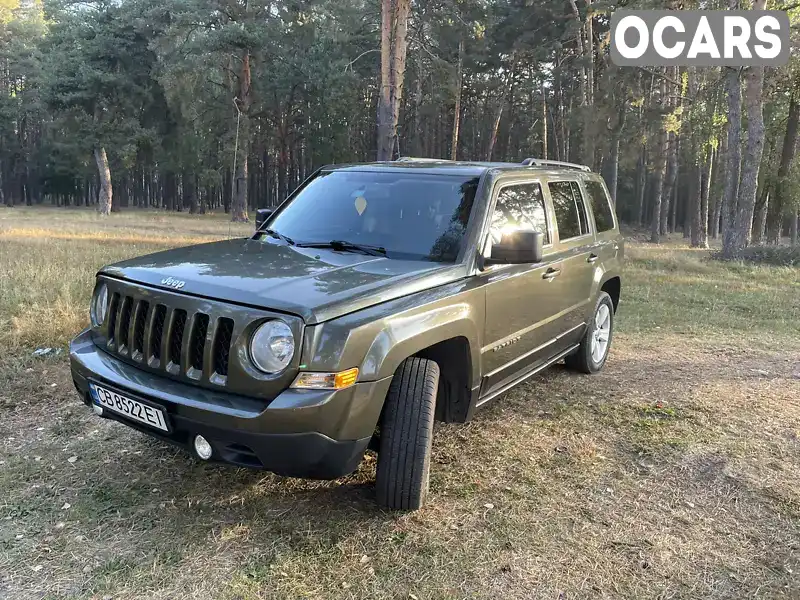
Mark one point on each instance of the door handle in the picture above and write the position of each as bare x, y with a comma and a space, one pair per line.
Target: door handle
592, 258
551, 273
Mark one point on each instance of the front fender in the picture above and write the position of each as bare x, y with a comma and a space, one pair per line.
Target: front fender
404, 336
378, 339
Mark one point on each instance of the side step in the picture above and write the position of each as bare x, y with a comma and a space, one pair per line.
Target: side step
494, 394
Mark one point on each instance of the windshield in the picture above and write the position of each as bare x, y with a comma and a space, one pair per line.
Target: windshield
409, 215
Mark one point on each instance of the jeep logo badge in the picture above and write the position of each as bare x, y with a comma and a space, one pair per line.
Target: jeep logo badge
173, 283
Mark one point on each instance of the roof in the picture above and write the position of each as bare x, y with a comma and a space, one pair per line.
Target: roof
451, 167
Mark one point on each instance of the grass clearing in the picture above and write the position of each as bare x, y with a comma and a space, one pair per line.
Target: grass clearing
675, 473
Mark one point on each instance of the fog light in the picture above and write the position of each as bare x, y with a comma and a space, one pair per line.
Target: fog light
97, 409
202, 447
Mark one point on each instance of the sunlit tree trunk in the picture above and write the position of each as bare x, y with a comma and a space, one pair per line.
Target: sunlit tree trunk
751, 163
394, 43
104, 195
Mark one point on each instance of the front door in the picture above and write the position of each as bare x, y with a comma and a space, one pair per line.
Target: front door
520, 330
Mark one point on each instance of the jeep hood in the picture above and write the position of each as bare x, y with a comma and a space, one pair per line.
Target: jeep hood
318, 284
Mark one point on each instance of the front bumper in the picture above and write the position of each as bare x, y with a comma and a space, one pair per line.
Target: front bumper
317, 434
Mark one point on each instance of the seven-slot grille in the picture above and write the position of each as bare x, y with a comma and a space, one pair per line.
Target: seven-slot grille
169, 339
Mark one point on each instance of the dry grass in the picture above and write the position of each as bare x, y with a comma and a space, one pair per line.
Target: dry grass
48, 259
673, 474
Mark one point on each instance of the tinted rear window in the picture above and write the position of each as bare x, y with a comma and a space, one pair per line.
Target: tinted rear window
601, 205
569, 208
413, 216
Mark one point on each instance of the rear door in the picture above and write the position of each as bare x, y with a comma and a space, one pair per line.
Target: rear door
606, 245
574, 247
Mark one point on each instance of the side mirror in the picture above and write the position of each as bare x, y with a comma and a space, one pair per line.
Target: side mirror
262, 214
518, 247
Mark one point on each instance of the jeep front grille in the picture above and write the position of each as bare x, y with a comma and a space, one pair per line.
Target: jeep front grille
222, 345
170, 339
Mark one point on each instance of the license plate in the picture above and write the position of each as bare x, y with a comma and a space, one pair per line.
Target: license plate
133, 409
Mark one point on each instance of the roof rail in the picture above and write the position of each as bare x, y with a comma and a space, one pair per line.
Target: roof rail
420, 159
538, 162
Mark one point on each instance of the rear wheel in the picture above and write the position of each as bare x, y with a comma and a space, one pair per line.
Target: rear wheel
592, 353
406, 434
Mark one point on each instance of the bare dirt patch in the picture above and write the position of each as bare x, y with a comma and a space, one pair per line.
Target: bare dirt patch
672, 474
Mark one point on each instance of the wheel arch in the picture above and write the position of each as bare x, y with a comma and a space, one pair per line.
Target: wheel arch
613, 287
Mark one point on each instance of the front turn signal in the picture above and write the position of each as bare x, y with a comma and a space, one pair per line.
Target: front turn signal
326, 381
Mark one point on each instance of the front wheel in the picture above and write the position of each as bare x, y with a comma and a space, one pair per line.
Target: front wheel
592, 353
406, 434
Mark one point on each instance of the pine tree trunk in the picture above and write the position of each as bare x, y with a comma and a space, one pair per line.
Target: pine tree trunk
399, 49
719, 175
613, 167
240, 178
672, 157
417, 146
705, 193
743, 223
104, 196
614, 170
733, 161
694, 207
394, 44
775, 214
641, 184
760, 218
190, 192
457, 108
495, 126
385, 136
669, 182
661, 168
544, 121
3, 198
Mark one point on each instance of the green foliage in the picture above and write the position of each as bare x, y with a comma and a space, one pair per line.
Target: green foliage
157, 84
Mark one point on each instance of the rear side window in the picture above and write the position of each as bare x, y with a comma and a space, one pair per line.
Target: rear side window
601, 206
519, 207
570, 210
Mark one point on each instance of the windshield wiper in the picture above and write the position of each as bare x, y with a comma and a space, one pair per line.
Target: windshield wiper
345, 246
280, 236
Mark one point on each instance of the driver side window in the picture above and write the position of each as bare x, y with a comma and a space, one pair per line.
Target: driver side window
519, 208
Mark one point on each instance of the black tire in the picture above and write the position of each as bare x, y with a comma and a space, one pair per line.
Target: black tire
406, 434
581, 360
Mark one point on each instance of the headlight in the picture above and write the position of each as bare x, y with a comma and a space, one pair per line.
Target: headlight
99, 305
272, 346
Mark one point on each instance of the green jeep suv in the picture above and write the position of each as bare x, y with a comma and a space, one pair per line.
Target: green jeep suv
376, 299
